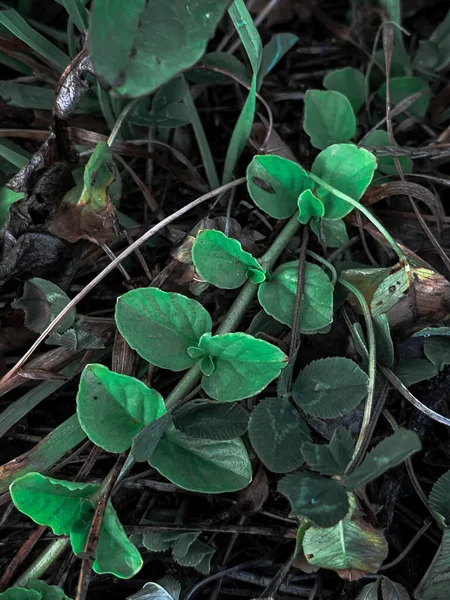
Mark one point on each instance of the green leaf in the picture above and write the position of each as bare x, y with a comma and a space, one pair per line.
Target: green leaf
332, 458
141, 59
152, 591
386, 164
393, 591
42, 301
334, 232
383, 341
349, 545
437, 350
350, 82
168, 109
77, 12
211, 420
329, 118
7, 198
275, 183
278, 296
321, 500
403, 87
220, 260
14, 153
244, 365
20, 593
277, 432
387, 454
330, 387
20, 29
435, 584
51, 502
218, 60
48, 592
414, 370
114, 553
145, 442
248, 33
75, 338
440, 495
309, 206
199, 465
161, 326
273, 52
113, 408
348, 169
188, 551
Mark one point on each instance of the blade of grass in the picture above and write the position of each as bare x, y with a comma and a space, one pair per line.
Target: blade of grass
248, 33
77, 12
20, 28
14, 153
105, 106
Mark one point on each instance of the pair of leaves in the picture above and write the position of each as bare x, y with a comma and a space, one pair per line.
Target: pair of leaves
35, 590
279, 186
68, 508
172, 331
324, 501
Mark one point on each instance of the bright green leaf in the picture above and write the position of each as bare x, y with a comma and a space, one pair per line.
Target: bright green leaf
334, 232
7, 198
161, 326
277, 432
350, 82
348, 169
435, 584
42, 301
332, 458
330, 387
278, 296
309, 206
321, 500
275, 183
49, 592
113, 408
437, 350
329, 118
20, 593
141, 58
386, 164
244, 365
220, 260
440, 495
114, 553
199, 465
51, 502
415, 370
403, 87
387, 454
211, 420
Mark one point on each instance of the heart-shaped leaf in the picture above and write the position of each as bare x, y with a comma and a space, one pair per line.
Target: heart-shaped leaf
113, 408
243, 365
220, 260
329, 118
347, 168
330, 387
141, 59
211, 420
278, 296
350, 82
332, 458
161, 326
199, 465
321, 500
275, 183
277, 432
309, 206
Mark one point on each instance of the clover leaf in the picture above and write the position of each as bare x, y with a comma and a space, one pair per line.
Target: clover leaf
329, 118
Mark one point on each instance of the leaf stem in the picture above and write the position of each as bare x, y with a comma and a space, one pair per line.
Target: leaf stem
365, 426
395, 247
114, 133
43, 562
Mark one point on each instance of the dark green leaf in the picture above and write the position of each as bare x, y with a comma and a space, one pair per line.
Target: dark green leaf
161, 326
414, 370
329, 118
75, 338
330, 387
77, 12
277, 432
274, 51
350, 82
51, 502
275, 183
168, 109
435, 584
141, 58
332, 458
146, 440
42, 301
391, 590
278, 296
244, 365
14, 154
199, 465
348, 169
20, 593
383, 341
309, 206
437, 350
334, 232
188, 551
220, 260
113, 408
321, 500
386, 164
221, 61
403, 87
211, 420
390, 452
440, 496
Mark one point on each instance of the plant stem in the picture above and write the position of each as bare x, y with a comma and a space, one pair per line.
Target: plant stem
43, 562
395, 247
114, 133
238, 308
